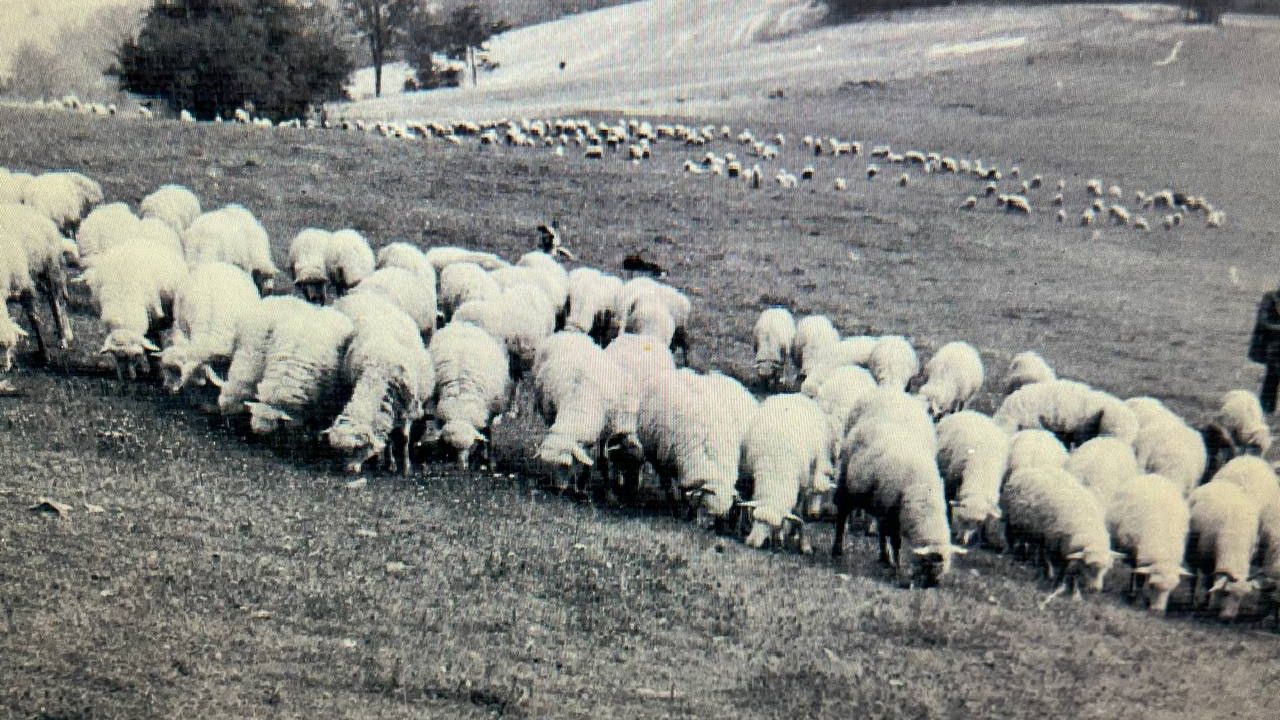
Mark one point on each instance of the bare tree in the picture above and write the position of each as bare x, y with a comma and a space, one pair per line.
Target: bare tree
382, 22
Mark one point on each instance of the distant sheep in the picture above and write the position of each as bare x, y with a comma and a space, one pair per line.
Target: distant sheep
774, 334
174, 205
1026, 368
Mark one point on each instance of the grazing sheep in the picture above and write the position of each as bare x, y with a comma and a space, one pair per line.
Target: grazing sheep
521, 317
1048, 509
307, 263
392, 378
1238, 428
1103, 465
1072, 410
62, 197
1148, 410
840, 393
973, 456
952, 377
24, 228
301, 370
591, 302
411, 293
854, 350
893, 362
233, 235
348, 259
1026, 368
249, 359
774, 333
1017, 203
1168, 447
1094, 187
651, 292
814, 333
442, 257
464, 281
158, 235
133, 288
786, 455
1148, 519
174, 205
1036, 448
105, 227
208, 310
969, 203
1221, 543
473, 384
409, 258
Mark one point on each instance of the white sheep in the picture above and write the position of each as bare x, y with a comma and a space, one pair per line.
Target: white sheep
952, 377
464, 281
62, 197
893, 362
1238, 427
248, 361
301, 370
1072, 410
158, 235
840, 393
24, 229
1036, 448
814, 333
1148, 410
1221, 543
15, 283
591, 302
133, 287
521, 317
648, 315
233, 235
551, 277
348, 259
774, 334
208, 310
1149, 519
786, 455
677, 305
1026, 368
1103, 465
392, 378
442, 257
1168, 447
973, 456
409, 258
11, 186
409, 292
307, 252
174, 205
1048, 509
473, 384
105, 227
854, 350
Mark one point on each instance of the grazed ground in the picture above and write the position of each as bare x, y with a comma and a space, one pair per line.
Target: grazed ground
227, 577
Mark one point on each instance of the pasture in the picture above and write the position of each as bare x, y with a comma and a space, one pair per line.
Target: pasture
203, 573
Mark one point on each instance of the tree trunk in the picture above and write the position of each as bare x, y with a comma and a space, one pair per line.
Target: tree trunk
471, 60
376, 53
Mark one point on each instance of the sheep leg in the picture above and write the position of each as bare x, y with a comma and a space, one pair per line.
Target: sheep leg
806, 546
53, 296
1058, 591
29, 306
844, 508
408, 468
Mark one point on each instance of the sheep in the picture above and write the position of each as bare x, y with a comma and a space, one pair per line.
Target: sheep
1221, 543
774, 334
249, 359
591, 302
24, 230
16, 283
232, 234
133, 287
973, 456
888, 467
307, 263
442, 257
814, 333
520, 317
1026, 368
1094, 187
969, 203
840, 393
952, 377
158, 235
1168, 447
406, 291
392, 378
473, 384
174, 205
464, 281
1238, 428
1148, 519
786, 455
301, 370
854, 350
348, 259
61, 196
11, 186
409, 258
1036, 448
1148, 410
1017, 203
1047, 508
105, 227
208, 310
1103, 465
1072, 410
893, 362
651, 294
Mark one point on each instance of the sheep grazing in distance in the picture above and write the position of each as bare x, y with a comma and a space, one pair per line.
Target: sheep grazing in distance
1017, 203
969, 203
1221, 543
786, 456
473, 384
249, 360
813, 334
348, 259
1094, 187
1026, 368
774, 333
1072, 410
973, 456
233, 235
1237, 428
1047, 509
462, 282
872, 170
952, 377
300, 370
893, 362
1103, 465
840, 184
1149, 520
307, 263
208, 310
174, 205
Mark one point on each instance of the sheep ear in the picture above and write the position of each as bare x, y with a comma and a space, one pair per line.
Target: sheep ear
20, 331
213, 377
148, 345
1219, 585
1183, 572
1144, 570
1077, 555
479, 437
581, 455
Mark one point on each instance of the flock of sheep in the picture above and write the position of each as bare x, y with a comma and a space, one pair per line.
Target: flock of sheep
384, 352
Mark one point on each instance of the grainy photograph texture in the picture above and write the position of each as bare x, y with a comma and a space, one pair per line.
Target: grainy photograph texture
666, 358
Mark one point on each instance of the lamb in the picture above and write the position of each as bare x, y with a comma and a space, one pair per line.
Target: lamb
774, 334
411, 293
1103, 465
104, 228
1026, 368
521, 318
1238, 428
1221, 543
24, 229
208, 310
1050, 510
1036, 448
893, 362
591, 302
677, 305
473, 382
1072, 410
464, 281
888, 467
1168, 447
952, 377
392, 376
307, 263
1148, 520
174, 205
302, 369
973, 456
814, 333
347, 260
409, 258
786, 454
232, 234
442, 257
133, 287
248, 361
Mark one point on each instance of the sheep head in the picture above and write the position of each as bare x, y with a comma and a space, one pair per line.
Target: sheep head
1159, 584
359, 444
462, 436
175, 367
1092, 565
1234, 592
10, 336
933, 562
130, 350
969, 516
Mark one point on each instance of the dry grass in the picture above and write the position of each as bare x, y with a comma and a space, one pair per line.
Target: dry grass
231, 578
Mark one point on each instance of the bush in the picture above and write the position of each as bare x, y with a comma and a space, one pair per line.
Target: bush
213, 56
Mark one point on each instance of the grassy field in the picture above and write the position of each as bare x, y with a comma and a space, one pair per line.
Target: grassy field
227, 577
